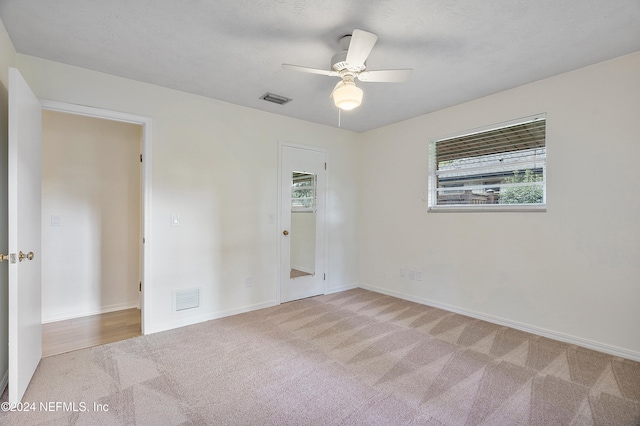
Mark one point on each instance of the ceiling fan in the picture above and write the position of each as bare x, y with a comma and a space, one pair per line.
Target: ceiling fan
349, 64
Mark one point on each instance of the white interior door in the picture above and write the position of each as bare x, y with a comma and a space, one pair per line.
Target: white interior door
302, 216
25, 174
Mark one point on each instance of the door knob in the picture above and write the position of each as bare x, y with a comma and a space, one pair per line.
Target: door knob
285, 232
4, 257
28, 256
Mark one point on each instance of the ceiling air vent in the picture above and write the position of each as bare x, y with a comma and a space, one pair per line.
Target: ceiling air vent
276, 99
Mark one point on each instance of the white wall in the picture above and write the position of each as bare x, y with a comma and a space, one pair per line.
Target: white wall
574, 270
571, 271
216, 165
91, 185
303, 241
7, 59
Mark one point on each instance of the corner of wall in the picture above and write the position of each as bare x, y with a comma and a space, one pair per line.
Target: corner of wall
341, 288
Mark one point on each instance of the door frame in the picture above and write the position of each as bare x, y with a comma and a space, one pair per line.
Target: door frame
281, 145
146, 124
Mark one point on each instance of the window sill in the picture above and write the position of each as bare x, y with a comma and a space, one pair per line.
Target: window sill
489, 208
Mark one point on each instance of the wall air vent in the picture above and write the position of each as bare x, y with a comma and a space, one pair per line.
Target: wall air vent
186, 299
276, 99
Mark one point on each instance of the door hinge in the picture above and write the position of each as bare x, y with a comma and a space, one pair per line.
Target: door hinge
140, 286
141, 158
142, 240
325, 166
324, 277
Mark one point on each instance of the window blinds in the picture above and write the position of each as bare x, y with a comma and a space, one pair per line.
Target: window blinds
516, 137
491, 167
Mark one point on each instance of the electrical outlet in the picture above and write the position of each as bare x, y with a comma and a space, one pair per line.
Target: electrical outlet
418, 275
412, 274
248, 282
404, 272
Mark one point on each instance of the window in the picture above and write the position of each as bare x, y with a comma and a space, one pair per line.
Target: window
501, 167
303, 192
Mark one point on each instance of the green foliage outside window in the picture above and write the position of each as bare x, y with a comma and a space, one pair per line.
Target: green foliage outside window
303, 191
522, 194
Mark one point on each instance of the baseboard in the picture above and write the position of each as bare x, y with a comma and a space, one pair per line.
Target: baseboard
551, 334
341, 288
4, 382
150, 329
80, 314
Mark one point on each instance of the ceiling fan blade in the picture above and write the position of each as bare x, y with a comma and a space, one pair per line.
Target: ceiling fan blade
359, 48
385, 76
309, 70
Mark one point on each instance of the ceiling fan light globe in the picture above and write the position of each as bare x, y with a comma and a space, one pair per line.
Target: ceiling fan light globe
347, 97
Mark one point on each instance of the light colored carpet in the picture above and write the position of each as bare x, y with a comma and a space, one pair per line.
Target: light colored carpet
355, 357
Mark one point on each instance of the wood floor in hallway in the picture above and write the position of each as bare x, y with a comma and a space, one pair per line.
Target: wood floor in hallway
79, 333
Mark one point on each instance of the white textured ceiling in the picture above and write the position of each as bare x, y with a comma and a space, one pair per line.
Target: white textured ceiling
233, 50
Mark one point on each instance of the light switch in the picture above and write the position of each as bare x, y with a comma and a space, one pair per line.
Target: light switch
55, 220
272, 218
175, 220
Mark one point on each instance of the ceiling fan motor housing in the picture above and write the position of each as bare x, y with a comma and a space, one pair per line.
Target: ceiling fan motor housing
339, 60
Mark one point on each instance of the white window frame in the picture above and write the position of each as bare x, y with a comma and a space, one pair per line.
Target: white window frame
433, 188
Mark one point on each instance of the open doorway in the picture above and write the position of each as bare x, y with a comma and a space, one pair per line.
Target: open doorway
92, 231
